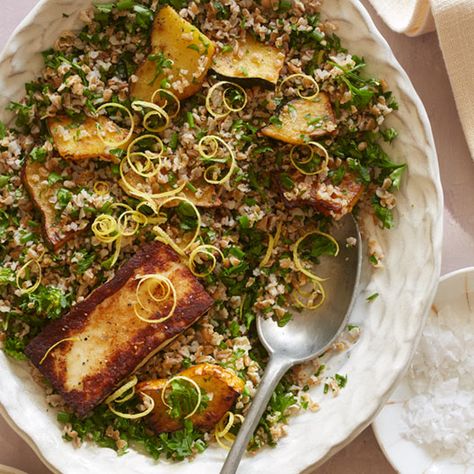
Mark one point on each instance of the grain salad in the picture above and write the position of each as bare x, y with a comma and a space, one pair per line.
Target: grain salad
194, 155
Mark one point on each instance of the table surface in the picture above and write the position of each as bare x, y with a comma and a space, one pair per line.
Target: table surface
422, 59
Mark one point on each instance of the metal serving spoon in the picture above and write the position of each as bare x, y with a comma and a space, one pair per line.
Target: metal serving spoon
308, 335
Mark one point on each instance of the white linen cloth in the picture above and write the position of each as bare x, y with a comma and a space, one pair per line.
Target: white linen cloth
454, 22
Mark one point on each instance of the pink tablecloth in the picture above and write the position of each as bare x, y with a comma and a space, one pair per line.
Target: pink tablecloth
421, 57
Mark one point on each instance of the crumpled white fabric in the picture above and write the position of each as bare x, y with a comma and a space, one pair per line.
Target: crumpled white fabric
454, 22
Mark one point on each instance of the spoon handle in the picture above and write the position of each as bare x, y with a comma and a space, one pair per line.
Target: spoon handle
274, 371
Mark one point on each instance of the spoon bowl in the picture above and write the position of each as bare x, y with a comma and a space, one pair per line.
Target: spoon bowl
309, 333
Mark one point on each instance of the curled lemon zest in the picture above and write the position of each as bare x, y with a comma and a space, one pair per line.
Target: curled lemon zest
272, 243
32, 288
193, 383
118, 394
128, 217
297, 163
148, 169
148, 197
168, 93
56, 344
204, 250
317, 292
296, 258
101, 188
213, 141
222, 429
167, 289
135, 416
105, 228
156, 112
164, 237
225, 101
305, 77
118, 144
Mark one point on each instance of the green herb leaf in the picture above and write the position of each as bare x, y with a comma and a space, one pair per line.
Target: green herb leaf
372, 297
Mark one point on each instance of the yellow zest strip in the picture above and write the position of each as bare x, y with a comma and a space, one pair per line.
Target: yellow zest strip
241, 309
167, 93
124, 220
148, 169
193, 383
56, 344
297, 163
222, 429
105, 228
156, 112
224, 99
167, 289
196, 232
101, 188
135, 416
159, 219
213, 141
296, 258
113, 105
205, 250
305, 77
148, 197
272, 243
118, 397
37, 283
118, 246
318, 293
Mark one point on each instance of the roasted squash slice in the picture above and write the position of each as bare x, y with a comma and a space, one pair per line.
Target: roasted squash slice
180, 56
221, 385
327, 198
81, 140
55, 224
301, 119
204, 196
254, 60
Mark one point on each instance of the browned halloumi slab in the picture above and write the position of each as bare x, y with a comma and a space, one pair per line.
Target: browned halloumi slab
109, 341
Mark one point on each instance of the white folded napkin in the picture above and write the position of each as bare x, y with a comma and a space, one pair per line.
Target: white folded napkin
454, 22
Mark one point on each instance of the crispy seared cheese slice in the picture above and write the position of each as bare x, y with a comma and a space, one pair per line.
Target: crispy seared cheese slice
329, 199
81, 140
106, 341
303, 119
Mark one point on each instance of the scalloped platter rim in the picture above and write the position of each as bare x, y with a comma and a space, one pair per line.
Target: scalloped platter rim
391, 325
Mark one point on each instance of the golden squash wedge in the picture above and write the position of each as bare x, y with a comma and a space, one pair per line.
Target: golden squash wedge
180, 57
57, 227
34, 176
303, 119
221, 386
81, 140
254, 60
204, 196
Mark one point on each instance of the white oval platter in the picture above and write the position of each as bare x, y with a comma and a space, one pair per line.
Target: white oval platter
391, 325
